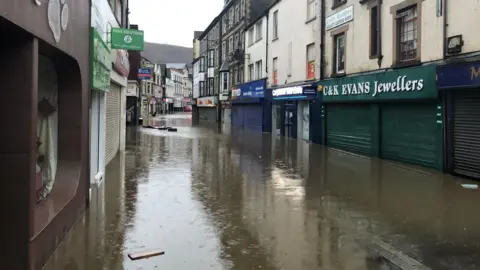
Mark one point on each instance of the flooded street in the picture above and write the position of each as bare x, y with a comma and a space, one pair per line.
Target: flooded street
250, 201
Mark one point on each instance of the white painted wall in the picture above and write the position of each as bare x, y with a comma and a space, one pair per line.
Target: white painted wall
462, 20
257, 51
292, 28
196, 79
170, 90
358, 33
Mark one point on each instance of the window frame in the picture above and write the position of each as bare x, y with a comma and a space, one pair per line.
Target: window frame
211, 58
336, 69
375, 32
251, 36
258, 69
310, 59
251, 72
338, 3
201, 87
259, 30
275, 71
396, 63
202, 64
311, 4
230, 44
211, 86
275, 25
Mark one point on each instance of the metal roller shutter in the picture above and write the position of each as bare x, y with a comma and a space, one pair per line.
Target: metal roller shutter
237, 116
253, 117
112, 122
466, 133
348, 127
408, 133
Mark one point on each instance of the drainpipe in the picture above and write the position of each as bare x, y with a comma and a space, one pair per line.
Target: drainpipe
266, 47
379, 41
445, 25
322, 39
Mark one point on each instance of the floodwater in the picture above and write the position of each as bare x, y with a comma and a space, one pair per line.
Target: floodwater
249, 201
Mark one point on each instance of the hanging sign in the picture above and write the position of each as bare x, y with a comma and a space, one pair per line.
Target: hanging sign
339, 18
127, 39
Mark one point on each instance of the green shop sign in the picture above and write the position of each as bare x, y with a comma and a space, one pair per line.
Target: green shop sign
127, 39
410, 83
101, 60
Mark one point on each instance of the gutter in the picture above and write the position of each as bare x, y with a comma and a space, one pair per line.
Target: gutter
266, 46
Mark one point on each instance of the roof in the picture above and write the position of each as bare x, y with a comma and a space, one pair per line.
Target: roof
209, 27
196, 34
263, 14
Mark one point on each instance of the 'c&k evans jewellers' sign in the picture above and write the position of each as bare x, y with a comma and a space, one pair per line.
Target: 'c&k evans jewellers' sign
412, 83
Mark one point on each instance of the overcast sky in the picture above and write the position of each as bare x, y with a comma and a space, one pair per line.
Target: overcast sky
173, 21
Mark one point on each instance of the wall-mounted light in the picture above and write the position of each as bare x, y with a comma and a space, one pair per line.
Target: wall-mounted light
455, 44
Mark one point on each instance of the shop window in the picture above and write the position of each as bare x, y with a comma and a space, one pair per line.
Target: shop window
407, 33
310, 61
275, 71
47, 127
339, 54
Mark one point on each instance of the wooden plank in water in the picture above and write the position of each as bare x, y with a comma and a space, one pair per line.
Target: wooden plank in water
147, 254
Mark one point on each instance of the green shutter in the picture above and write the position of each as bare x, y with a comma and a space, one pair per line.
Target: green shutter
408, 133
348, 127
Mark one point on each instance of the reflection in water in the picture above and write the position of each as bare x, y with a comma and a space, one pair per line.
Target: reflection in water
252, 201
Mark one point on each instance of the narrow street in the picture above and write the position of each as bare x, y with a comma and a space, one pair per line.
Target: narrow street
249, 201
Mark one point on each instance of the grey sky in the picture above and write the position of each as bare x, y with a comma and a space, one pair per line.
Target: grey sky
173, 21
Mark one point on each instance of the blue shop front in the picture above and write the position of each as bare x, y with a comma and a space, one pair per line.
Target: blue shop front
296, 112
250, 109
460, 88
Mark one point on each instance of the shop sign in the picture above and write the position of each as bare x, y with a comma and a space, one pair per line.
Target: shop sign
294, 92
131, 89
459, 76
101, 63
339, 18
412, 83
254, 89
144, 73
127, 39
236, 93
206, 102
122, 65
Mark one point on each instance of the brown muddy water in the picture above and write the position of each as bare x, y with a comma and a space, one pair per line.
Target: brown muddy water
241, 200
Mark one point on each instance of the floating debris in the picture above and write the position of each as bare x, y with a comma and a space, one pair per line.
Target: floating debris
172, 129
470, 186
144, 255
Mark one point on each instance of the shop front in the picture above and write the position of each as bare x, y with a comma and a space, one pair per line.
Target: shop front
460, 87
249, 108
291, 112
395, 115
207, 109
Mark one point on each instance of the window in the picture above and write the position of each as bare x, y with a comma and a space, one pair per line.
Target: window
202, 64
216, 83
230, 44
240, 75
225, 82
258, 68
242, 39
242, 8
311, 61
225, 24
275, 71
407, 34
211, 58
250, 36
236, 44
275, 25
337, 3
374, 31
216, 57
339, 53
234, 78
237, 14
251, 74
290, 60
211, 86
231, 19
202, 88
224, 51
311, 9
259, 30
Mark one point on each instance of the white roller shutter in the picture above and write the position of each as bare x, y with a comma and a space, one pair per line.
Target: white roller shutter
112, 122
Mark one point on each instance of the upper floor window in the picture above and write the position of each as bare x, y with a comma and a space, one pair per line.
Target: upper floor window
374, 31
211, 58
250, 36
275, 24
224, 51
242, 8
258, 68
202, 64
259, 30
251, 74
407, 34
236, 45
311, 9
224, 24
237, 14
231, 19
230, 44
339, 54
275, 71
242, 39
337, 3
311, 61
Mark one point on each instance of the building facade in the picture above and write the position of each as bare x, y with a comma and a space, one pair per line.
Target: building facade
45, 149
294, 61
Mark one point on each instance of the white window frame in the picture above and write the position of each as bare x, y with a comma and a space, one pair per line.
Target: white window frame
258, 69
251, 72
224, 51
337, 38
275, 24
230, 44
311, 10
259, 30
251, 36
